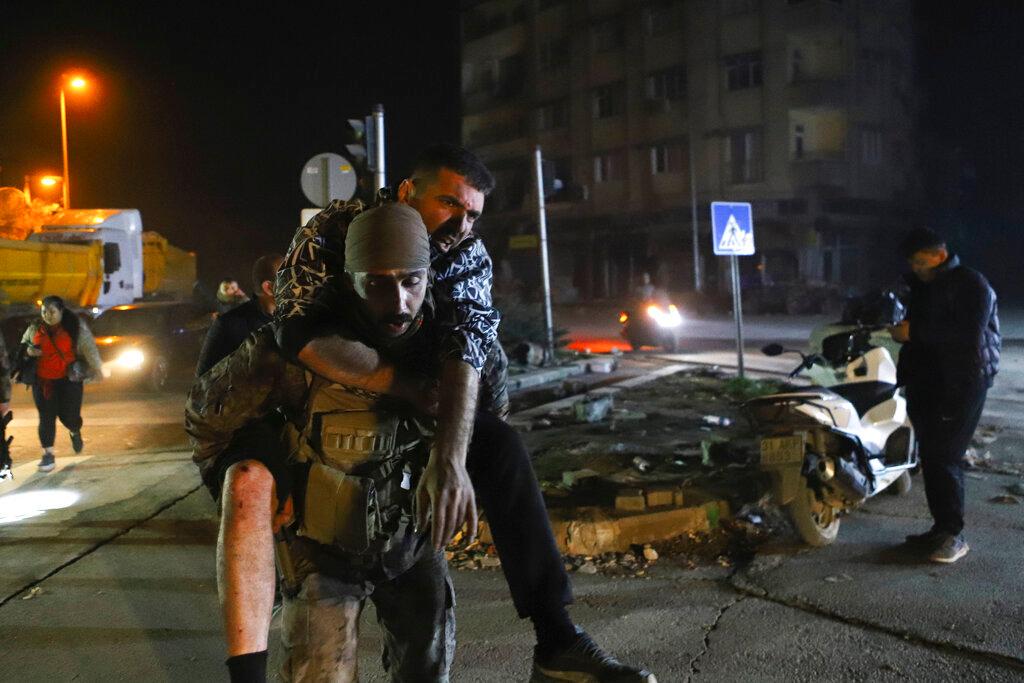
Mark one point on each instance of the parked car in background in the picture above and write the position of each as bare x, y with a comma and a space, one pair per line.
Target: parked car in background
152, 343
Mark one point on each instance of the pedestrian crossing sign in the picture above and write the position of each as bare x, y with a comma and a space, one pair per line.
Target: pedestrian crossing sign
732, 228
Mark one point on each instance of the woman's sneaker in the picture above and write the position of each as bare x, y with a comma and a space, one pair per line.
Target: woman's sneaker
76, 441
47, 462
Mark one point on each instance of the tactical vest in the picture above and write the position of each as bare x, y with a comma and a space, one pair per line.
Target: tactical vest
364, 461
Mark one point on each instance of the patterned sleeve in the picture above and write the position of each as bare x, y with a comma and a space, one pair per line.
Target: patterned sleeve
462, 290
315, 258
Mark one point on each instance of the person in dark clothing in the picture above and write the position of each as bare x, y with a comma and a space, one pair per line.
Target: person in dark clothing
230, 329
949, 358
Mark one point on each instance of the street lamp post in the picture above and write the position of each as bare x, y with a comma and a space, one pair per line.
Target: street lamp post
77, 83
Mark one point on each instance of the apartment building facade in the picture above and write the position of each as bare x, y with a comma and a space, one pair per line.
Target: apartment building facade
802, 107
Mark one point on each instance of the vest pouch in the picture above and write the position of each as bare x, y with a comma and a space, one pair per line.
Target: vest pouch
350, 438
340, 510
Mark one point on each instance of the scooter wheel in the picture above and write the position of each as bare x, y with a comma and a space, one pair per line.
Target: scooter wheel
902, 486
816, 522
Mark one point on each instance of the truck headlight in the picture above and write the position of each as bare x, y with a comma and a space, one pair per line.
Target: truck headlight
131, 359
669, 318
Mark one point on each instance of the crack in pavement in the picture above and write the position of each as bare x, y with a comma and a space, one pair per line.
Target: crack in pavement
694, 668
99, 544
747, 588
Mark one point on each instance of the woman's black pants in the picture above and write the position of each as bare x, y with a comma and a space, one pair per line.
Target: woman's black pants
64, 402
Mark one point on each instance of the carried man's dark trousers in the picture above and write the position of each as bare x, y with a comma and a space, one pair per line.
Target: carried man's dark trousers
944, 429
510, 497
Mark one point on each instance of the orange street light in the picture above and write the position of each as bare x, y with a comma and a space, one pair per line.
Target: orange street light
49, 180
76, 83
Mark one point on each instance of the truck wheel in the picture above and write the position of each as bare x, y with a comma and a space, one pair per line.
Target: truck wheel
815, 521
158, 373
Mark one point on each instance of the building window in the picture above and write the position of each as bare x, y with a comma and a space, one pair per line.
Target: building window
609, 166
553, 115
667, 158
669, 84
743, 156
743, 71
608, 35
796, 65
553, 53
798, 141
659, 18
871, 147
607, 101
730, 7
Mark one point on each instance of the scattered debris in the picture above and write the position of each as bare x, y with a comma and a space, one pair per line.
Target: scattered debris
528, 353
603, 366
594, 408
1005, 499
641, 464
650, 554
630, 500
587, 568
1016, 489
841, 578
570, 479
716, 420
34, 592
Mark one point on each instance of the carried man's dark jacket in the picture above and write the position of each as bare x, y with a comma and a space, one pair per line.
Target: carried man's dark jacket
228, 332
954, 332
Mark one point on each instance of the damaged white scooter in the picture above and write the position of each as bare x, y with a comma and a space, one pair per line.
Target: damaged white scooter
828, 450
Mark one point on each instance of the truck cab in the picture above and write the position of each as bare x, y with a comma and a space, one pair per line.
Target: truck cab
120, 233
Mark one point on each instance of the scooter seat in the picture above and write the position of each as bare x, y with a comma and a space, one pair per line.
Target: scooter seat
865, 395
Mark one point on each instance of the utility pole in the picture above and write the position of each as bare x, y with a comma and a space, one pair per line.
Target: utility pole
698, 280
542, 235
375, 140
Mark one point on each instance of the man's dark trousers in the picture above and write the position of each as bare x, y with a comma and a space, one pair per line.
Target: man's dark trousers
944, 427
507, 491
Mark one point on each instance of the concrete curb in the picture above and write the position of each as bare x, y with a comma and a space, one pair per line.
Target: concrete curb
528, 380
593, 530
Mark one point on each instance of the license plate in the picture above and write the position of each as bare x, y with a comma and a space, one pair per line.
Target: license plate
782, 450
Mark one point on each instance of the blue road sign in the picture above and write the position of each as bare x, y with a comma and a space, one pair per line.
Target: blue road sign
732, 228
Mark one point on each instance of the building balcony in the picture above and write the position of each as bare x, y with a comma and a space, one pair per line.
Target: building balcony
808, 93
817, 170
815, 14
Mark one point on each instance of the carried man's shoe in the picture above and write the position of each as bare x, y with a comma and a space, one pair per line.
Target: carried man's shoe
951, 549
585, 662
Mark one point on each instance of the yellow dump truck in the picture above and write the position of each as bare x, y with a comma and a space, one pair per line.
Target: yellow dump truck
94, 259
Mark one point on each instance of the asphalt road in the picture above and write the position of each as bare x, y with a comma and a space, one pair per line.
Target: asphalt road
107, 573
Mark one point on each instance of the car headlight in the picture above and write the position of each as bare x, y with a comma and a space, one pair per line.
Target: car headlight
131, 359
669, 318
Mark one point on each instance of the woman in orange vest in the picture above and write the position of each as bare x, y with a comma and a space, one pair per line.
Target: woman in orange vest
66, 355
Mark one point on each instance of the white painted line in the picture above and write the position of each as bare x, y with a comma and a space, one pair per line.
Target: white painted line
27, 473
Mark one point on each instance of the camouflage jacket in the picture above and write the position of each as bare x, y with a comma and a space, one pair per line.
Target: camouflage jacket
460, 282
242, 388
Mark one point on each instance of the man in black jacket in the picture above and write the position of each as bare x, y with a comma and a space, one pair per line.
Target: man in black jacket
230, 329
949, 359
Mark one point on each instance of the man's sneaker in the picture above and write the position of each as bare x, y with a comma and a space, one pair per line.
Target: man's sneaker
950, 550
76, 441
47, 462
928, 539
585, 662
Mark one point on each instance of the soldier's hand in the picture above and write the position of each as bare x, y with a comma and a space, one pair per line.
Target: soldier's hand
283, 516
446, 493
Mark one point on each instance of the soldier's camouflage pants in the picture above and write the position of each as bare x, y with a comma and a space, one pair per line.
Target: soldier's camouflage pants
415, 610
